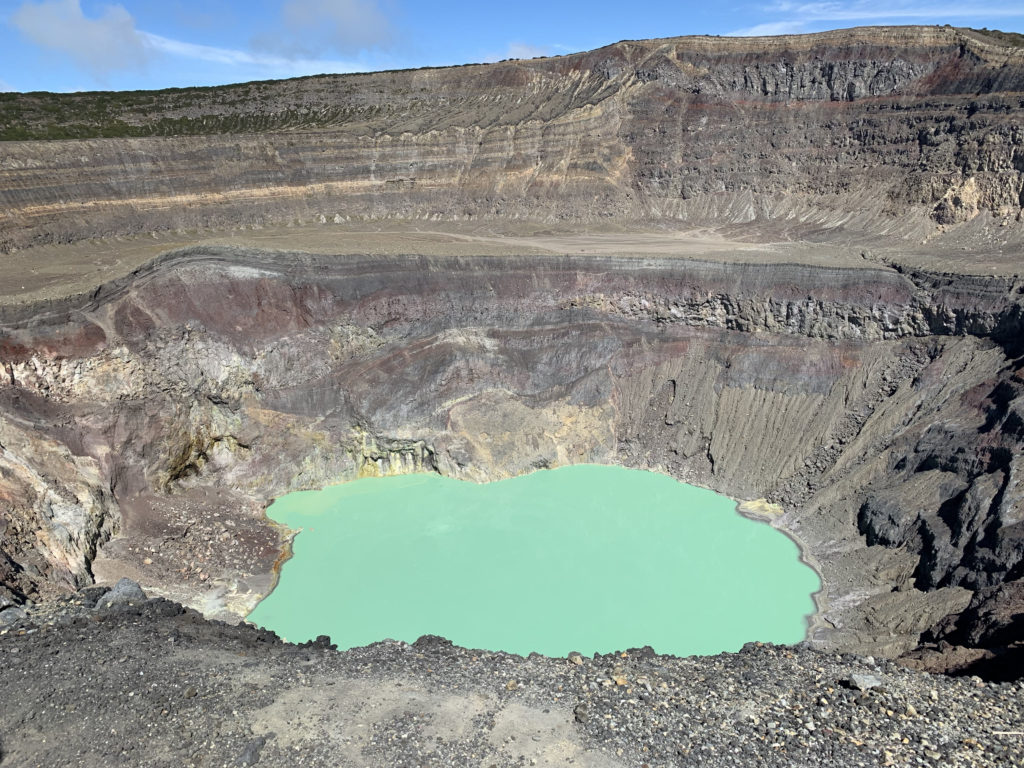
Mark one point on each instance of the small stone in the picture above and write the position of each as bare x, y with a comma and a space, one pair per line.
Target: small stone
147, 561
934, 694
511, 685
251, 754
581, 712
191, 692
911, 711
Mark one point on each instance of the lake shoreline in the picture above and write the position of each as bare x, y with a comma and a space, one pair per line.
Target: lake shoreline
673, 549
761, 510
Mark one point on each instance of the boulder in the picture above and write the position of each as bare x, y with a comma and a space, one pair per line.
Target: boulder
124, 592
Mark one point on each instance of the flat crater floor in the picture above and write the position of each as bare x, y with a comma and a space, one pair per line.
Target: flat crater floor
585, 558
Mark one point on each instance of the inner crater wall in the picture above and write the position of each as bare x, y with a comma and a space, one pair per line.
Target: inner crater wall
880, 409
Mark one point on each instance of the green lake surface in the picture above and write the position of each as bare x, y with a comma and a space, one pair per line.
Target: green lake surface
584, 558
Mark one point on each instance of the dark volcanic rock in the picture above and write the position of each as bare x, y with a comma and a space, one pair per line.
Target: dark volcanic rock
994, 618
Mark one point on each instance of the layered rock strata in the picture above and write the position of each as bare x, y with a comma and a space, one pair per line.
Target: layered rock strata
899, 132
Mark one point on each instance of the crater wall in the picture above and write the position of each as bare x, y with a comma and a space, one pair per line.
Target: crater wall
878, 408
145, 422
875, 131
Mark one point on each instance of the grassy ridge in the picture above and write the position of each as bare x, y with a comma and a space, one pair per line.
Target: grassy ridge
316, 101
170, 112
1010, 39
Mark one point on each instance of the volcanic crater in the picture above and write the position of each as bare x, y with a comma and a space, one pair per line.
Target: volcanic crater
786, 269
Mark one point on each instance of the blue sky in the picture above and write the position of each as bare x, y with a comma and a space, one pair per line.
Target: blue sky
70, 45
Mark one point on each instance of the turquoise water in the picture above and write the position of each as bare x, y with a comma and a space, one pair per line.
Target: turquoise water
585, 558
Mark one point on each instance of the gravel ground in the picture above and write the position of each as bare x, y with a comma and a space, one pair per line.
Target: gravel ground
153, 684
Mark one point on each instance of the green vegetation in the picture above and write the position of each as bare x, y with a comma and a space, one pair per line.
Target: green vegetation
301, 103
238, 108
1012, 39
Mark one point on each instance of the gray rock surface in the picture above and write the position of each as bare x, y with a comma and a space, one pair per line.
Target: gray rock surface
864, 682
124, 592
11, 616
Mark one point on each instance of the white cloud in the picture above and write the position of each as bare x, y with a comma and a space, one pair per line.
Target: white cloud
100, 45
526, 51
271, 65
111, 42
796, 18
771, 28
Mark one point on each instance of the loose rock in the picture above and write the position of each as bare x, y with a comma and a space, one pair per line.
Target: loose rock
124, 592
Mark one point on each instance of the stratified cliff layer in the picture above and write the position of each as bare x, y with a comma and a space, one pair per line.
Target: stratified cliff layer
899, 132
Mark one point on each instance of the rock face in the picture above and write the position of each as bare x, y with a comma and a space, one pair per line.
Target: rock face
881, 406
879, 131
125, 592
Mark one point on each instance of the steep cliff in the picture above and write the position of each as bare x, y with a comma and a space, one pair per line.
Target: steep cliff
873, 131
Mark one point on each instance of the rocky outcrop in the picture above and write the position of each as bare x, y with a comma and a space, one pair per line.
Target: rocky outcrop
874, 131
56, 508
